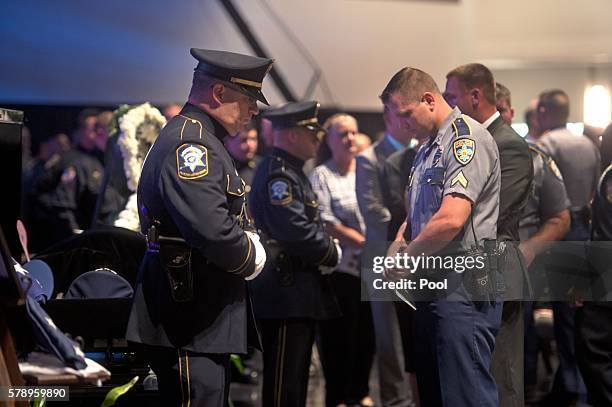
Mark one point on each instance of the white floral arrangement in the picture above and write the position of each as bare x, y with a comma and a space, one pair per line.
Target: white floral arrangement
138, 128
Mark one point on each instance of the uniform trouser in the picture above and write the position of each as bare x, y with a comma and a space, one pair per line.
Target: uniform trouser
531, 345
568, 379
393, 380
405, 315
287, 348
190, 379
453, 344
507, 363
347, 344
594, 351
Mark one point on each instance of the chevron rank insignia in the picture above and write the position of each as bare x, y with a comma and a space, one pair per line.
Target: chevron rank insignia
192, 161
460, 179
463, 150
280, 192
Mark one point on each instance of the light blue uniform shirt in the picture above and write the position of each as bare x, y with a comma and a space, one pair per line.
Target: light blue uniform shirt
461, 159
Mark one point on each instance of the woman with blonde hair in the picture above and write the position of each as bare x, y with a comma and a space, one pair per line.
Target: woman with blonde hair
346, 343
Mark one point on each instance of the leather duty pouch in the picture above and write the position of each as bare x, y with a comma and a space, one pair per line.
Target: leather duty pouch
175, 257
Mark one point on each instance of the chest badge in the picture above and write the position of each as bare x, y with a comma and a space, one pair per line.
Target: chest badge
280, 192
192, 161
464, 150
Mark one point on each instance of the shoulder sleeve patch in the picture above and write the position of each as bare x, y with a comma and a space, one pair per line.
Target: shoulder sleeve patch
464, 150
191, 161
279, 191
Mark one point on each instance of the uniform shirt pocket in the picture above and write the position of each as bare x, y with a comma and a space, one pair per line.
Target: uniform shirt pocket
312, 205
235, 190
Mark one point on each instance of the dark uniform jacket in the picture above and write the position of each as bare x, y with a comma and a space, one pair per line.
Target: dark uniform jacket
62, 195
285, 208
600, 247
190, 186
602, 207
246, 170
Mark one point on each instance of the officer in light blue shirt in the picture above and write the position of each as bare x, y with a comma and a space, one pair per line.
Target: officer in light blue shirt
453, 196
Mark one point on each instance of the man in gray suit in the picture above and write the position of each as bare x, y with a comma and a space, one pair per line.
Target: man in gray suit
394, 388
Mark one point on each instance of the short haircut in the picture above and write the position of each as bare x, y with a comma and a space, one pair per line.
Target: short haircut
411, 83
476, 76
201, 82
503, 93
556, 103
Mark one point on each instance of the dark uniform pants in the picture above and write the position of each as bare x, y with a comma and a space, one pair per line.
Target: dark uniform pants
594, 351
507, 365
347, 344
453, 343
287, 348
190, 379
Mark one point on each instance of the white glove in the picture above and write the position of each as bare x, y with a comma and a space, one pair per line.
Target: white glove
260, 255
329, 269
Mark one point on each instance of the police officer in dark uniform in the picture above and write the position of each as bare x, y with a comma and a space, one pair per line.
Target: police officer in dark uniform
292, 293
191, 305
62, 197
594, 319
545, 219
452, 201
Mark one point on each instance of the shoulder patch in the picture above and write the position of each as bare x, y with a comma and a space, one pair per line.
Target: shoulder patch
191, 161
464, 150
279, 191
461, 128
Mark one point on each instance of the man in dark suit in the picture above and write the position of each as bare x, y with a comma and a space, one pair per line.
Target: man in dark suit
394, 180
393, 382
190, 305
471, 87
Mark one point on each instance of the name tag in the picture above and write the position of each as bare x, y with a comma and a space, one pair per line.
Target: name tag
433, 176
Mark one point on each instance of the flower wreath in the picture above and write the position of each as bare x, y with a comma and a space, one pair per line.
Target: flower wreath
137, 127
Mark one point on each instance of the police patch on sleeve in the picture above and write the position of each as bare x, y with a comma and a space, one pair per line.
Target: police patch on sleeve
280, 192
192, 161
464, 150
